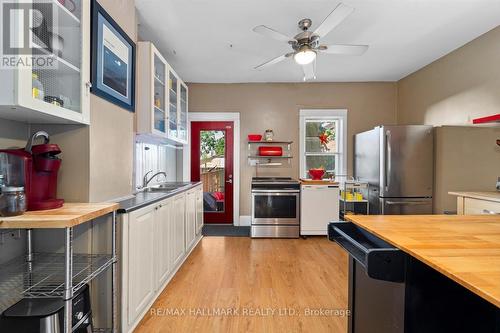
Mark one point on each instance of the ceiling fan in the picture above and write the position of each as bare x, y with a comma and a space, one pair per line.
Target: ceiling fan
306, 45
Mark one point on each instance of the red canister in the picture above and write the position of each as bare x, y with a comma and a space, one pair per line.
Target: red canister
270, 151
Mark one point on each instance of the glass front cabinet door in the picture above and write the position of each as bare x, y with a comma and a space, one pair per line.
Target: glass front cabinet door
162, 101
158, 94
183, 112
152, 102
55, 87
173, 114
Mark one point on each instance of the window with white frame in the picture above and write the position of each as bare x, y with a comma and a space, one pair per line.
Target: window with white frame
323, 141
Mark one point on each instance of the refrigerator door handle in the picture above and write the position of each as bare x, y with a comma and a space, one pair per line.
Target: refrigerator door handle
407, 203
387, 169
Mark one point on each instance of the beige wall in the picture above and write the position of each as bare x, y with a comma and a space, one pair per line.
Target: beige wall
453, 90
467, 159
13, 134
276, 106
456, 88
112, 127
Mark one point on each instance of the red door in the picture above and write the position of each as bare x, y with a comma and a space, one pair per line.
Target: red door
212, 163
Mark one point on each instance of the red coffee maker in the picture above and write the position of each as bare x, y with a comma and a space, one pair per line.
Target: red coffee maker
35, 167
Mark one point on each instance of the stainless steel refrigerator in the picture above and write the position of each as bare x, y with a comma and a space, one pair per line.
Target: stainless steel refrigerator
398, 163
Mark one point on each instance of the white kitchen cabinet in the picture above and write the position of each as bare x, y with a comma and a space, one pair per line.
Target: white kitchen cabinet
141, 261
152, 93
477, 203
154, 245
199, 209
178, 226
59, 94
178, 108
162, 108
190, 218
163, 231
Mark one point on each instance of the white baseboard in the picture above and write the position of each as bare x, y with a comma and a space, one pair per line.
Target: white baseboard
245, 220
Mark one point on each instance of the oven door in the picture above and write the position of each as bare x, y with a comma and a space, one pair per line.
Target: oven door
274, 207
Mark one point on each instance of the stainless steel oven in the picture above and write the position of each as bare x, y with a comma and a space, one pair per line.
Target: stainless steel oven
275, 207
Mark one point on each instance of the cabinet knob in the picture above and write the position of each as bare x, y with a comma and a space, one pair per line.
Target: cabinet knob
88, 85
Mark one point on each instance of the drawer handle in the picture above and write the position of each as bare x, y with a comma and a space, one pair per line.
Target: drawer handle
490, 212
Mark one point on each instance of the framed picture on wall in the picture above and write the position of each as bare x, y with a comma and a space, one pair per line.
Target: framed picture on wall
113, 60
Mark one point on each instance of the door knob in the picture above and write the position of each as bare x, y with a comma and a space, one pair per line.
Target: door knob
230, 181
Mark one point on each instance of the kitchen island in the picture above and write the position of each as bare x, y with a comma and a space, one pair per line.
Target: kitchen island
450, 269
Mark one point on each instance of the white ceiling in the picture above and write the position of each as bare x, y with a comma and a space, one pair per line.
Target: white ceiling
195, 36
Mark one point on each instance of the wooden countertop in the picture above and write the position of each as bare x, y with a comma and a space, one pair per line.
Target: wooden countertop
464, 248
305, 181
69, 215
490, 196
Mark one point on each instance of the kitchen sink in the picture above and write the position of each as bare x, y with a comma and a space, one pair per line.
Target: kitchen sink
155, 189
165, 187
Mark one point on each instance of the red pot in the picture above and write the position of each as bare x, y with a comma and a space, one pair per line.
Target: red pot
316, 174
254, 137
270, 151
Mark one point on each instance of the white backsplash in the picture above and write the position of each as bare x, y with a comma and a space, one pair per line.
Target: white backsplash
156, 157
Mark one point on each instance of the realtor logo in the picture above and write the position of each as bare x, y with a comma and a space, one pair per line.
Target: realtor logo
28, 30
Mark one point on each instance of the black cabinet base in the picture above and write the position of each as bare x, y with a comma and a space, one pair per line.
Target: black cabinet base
427, 302
437, 304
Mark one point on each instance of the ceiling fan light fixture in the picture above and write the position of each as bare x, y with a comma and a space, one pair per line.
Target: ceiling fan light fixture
305, 56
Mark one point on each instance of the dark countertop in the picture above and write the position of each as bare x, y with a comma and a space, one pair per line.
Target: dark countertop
143, 199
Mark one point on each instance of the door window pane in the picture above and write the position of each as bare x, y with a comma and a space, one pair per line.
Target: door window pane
212, 169
321, 136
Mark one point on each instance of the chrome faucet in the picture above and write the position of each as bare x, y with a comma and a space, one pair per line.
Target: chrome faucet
146, 181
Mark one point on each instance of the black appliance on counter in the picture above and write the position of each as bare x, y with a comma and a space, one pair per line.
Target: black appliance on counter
275, 207
45, 315
392, 292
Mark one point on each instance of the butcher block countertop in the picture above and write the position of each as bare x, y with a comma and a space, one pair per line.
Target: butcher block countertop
69, 215
490, 196
464, 248
305, 181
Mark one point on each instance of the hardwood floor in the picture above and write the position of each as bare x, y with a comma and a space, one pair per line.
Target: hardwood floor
256, 285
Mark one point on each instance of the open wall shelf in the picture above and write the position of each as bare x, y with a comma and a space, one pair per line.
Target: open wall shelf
259, 160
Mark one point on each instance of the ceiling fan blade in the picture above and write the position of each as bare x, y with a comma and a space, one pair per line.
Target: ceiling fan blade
268, 32
344, 49
309, 71
334, 19
271, 62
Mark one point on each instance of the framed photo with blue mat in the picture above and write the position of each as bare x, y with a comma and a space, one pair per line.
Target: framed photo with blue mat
113, 60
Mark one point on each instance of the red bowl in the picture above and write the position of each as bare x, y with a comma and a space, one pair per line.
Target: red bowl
254, 137
316, 174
